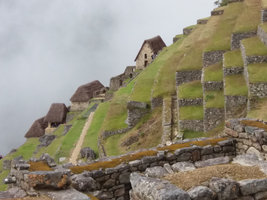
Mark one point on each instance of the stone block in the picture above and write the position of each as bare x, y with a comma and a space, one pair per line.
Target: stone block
201, 193
213, 161
248, 187
183, 166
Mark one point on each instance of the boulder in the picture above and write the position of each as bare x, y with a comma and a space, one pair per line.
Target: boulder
67, 194
50, 161
156, 189
156, 172
82, 183
88, 153
248, 187
183, 166
201, 193
254, 151
17, 192
225, 189
46, 140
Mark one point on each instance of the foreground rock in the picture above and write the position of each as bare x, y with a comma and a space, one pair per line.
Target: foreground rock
201, 193
67, 194
88, 153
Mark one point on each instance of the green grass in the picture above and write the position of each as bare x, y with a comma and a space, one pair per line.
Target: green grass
221, 40
254, 47
257, 72
191, 113
249, 18
213, 72
235, 85
214, 99
259, 112
264, 26
179, 36
233, 59
91, 137
117, 111
191, 134
112, 145
191, 90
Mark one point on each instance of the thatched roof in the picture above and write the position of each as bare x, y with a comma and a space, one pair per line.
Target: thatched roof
155, 43
37, 129
85, 92
57, 113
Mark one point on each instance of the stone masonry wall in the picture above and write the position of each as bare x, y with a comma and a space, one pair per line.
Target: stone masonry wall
192, 125
212, 57
156, 102
166, 121
217, 12
258, 89
263, 15
187, 76
233, 71
212, 118
212, 85
136, 110
190, 102
202, 21
251, 59
187, 31
262, 35
250, 139
237, 37
107, 134
235, 106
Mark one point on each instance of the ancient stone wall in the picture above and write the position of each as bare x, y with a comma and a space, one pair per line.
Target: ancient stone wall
212, 85
192, 125
187, 31
212, 57
166, 121
233, 70
217, 12
187, 76
136, 110
237, 37
262, 35
212, 118
107, 134
263, 15
235, 106
140, 62
202, 21
251, 59
79, 106
258, 89
190, 102
156, 102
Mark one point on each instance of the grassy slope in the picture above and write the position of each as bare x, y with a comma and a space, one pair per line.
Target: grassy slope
233, 59
254, 46
191, 113
190, 90
214, 99
235, 85
257, 72
213, 72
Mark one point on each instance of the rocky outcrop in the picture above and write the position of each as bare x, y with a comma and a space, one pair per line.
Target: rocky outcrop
46, 140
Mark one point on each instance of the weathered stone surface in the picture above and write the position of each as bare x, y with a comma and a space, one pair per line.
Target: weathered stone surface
82, 183
46, 158
187, 31
124, 178
88, 153
168, 168
217, 12
156, 172
17, 192
212, 85
136, 110
228, 71
155, 189
212, 57
156, 102
46, 140
261, 196
212, 161
193, 125
201, 193
190, 102
183, 166
224, 188
254, 151
248, 187
109, 183
67, 194
187, 76
235, 106
202, 21
262, 35
258, 89
237, 37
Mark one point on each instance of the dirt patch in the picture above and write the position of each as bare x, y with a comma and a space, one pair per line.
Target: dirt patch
189, 179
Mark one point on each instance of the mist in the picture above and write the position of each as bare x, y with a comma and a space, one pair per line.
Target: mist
50, 47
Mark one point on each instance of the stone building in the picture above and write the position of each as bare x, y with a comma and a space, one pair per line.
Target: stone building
118, 81
37, 129
148, 52
80, 100
56, 115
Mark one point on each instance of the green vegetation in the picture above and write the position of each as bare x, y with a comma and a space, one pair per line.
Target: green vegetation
254, 47
112, 145
214, 99
222, 39
191, 134
233, 59
191, 113
91, 137
264, 26
257, 72
191, 90
249, 19
213, 72
259, 112
179, 36
235, 85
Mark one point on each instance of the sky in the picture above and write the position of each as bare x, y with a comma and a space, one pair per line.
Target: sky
50, 47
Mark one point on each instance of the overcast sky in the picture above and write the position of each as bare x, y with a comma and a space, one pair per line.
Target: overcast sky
50, 47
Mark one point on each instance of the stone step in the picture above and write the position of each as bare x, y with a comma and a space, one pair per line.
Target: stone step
233, 63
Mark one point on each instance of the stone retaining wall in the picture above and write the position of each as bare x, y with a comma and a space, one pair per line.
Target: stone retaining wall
233, 71
250, 139
237, 37
187, 76
258, 89
166, 121
262, 35
136, 110
191, 125
251, 59
156, 102
212, 118
263, 15
187, 31
107, 134
235, 106
217, 12
213, 85
202, 21
212, 57
190, 102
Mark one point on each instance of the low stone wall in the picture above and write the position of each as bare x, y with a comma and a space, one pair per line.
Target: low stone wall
107, 134
212, 118
258, 89
262, 35
202, 21
187, 31
217, 12
136, 110
250, 139
166, 121
187, 76
191, 125
233, 71
213, 85
190, 102
263, 15
237, 37
212, 57
235, 106
251, 59
156, 102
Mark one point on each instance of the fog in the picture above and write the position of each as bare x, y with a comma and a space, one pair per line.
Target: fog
50, 47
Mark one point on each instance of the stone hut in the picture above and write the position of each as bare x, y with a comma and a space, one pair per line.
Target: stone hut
56, 115
118, 81
37, 129
81, 98
148, 52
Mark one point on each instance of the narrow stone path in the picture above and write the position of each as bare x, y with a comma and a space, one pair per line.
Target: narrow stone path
77, 149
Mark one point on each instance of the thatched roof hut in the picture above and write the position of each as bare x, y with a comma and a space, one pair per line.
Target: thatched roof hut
57, 113
156, 44
86, 92
37, 129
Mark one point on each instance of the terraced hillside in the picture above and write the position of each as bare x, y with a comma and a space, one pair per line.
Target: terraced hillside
214, 71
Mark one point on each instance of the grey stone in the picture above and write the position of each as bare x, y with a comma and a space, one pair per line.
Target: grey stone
254, 151
82, 183
201, 193
261, 196
6, 164
67, 194
62, 159
168, 168
183, 166
187, 76
212, 161
213, 117
46, 140
207, 150
49, 160
17, 192
237, 37
124, 178
88, 153
156, 172
249, 187
155, 189
224, 188
250, 129
109, 183
194, 125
